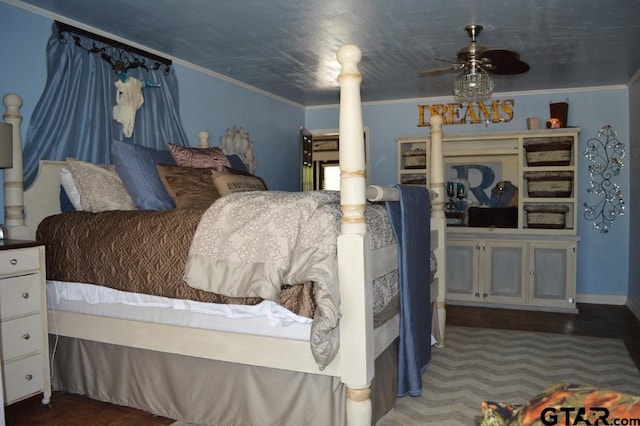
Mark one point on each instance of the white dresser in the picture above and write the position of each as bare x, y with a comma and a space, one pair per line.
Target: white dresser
24, 348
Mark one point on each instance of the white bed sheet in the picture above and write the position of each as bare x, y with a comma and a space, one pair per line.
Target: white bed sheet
266, 318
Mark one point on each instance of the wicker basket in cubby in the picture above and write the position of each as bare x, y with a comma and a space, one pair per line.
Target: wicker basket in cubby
416, 159
546, 216
555, 151
549, 184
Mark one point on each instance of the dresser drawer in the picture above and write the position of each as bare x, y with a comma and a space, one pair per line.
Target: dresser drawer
21, 336
19, 295
23, 378
19, 260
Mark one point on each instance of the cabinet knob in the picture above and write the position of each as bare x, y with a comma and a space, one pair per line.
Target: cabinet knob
13, 262
485, 295
25, 295
26, 336
29, 376
477, 295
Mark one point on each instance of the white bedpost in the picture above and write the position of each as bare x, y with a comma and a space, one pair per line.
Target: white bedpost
203, 137
438, 221
356, 324
13, 178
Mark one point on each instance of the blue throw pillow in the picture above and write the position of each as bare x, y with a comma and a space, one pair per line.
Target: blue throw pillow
136, 166
236, 163
65, 202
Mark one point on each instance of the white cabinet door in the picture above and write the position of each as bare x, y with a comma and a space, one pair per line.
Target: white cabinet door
512, 272
462, 271
486, 271
552, 274
504, 271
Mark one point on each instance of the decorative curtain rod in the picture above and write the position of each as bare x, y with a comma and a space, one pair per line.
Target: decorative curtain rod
122, 57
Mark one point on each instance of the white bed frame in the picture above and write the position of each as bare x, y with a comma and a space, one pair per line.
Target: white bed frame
358, 266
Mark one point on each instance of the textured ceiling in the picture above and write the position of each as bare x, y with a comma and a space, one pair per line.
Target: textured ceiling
287, 47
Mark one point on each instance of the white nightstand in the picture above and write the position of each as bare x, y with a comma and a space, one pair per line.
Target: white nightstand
24, 347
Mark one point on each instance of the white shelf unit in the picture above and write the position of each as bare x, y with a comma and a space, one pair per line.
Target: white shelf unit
530, 265
413, 160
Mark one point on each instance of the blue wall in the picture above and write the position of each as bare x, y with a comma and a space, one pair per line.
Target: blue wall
213, 104
602, 258
206, 102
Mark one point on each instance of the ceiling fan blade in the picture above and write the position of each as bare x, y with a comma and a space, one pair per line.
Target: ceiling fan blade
447, 59
432, 71
494, 61
498, 57
510, 68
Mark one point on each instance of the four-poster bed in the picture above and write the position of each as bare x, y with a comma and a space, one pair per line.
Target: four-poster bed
180, 353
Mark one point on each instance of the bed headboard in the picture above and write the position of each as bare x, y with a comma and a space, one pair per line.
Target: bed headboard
42, 199
24, 210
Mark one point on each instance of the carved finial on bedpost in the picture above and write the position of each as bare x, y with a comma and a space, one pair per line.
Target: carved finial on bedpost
352, 173
13, 178
203, 137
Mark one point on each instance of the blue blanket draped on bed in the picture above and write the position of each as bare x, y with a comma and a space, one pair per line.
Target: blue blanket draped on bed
410, 220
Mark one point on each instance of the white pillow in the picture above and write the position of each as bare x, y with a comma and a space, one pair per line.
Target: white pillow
100, 188
69, 185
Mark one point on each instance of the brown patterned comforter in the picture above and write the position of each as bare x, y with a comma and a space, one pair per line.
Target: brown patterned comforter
140, 251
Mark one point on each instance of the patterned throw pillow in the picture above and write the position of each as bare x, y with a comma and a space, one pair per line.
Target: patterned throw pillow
498, 413
228, 181
189, 187
199, 157
99, 186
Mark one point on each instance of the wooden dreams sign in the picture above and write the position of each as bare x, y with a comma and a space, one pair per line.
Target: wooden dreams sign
499, 111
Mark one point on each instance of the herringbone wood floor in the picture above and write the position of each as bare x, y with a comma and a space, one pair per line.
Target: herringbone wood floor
593, 320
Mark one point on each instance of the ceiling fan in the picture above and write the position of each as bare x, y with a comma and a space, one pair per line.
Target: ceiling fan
476, 62
494, 61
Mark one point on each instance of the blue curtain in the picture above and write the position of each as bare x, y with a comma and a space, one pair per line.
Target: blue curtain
73, 117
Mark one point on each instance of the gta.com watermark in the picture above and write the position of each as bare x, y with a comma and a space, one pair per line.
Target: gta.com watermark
583, 416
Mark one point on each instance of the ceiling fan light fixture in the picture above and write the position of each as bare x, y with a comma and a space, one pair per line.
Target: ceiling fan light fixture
473, 84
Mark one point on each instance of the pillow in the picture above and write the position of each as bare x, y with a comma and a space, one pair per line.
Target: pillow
236, 163
229, 181
199, 157
499, 413
136, 166
69, 186
539, 410
65, 202
189, 187
100, 187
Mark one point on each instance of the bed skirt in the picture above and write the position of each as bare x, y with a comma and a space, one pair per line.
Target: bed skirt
210, 392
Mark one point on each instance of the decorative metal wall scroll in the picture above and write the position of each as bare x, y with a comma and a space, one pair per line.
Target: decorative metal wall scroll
121, 56
605, 153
